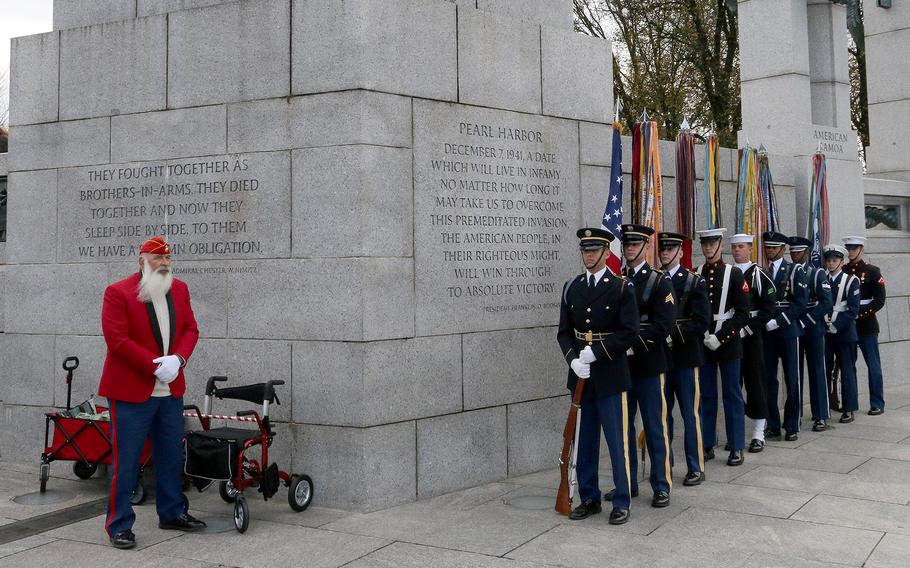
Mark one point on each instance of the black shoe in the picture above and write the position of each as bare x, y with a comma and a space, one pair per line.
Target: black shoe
619, 516
772, 434
756, 446
736, 458
791, 437
608, 496
727, 448
124, 539
709, 454
876, 411
846, 418
585, 510
661, 499
184, 522
694, 478
819, 426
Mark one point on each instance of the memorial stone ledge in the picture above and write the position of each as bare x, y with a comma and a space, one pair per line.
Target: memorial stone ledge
60, 144
577, 75
32, 217
77, 13
34, 78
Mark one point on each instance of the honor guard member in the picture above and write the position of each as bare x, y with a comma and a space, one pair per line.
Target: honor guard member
783, 336
648, 361
728, 293
598, 322
841, 337
761, 300
693, 312
812, 343
872, 299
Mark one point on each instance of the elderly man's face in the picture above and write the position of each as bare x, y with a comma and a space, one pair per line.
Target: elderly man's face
157, 262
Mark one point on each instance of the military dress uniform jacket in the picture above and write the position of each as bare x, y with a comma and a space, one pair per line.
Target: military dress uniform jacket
762, 299
735, 309
693, 312
819, 302
657, 314
792, 297
872, 295
846, 307
610, 313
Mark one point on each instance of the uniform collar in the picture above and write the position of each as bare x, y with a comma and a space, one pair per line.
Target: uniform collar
744, 266
672, 271
597, 275
638, 268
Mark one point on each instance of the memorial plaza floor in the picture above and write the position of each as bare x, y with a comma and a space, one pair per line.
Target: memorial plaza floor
839, 498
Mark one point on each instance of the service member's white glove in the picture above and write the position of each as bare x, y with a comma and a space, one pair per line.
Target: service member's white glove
630, 352
831, 328
712, 343
772, 325
587, 355
168, 368
746, 331
582, 369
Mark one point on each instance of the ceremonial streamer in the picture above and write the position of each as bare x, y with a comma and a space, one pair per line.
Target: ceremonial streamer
685, 191
647, 192
712, 183
750, 207
766, 185
817, 229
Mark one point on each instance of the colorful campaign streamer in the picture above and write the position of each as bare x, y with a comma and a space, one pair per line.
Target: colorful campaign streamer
766, 184
712, 183
818, 227
647, 191
685, 190
750, 207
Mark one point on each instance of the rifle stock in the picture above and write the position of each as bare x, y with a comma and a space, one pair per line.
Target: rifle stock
833, 399
563, 501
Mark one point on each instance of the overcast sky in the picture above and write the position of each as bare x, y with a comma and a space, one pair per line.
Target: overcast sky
22, 17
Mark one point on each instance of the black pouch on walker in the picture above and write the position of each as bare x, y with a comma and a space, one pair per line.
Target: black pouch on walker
210, 458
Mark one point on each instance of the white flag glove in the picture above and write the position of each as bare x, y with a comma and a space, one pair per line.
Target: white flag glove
772, 325
831, 328
168, 368
582, 369
712, 343
587, 355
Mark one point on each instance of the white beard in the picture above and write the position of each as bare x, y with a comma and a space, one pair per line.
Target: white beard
154, 285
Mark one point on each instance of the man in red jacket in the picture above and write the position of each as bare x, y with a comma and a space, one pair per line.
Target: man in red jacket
150, 332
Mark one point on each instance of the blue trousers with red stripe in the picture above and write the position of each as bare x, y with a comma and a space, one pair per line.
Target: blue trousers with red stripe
734, 407
131, 423
648, 394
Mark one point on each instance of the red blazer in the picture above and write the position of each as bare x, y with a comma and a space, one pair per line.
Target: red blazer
133, 339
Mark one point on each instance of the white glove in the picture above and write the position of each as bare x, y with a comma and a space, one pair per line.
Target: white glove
772, 325
630, 352
587, 355
712, 342
742, 333
168, 368
582, 369
831, 328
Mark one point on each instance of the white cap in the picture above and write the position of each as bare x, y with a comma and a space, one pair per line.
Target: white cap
711, 233
742, 238
854, 240
836, 249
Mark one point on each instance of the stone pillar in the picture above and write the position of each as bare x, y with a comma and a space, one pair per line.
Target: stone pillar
828, 68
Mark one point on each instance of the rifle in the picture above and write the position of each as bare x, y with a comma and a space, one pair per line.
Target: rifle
833, 400
567, 458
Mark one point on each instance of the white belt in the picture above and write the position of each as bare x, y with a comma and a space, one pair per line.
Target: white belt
724, 316
865, 302
841, 307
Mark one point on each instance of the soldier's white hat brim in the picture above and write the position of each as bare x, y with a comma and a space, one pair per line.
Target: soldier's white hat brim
742, 239
711, 233
835, 249
798, 248
854, 240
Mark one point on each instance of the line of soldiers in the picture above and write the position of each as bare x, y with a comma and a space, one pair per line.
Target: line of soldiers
650, 338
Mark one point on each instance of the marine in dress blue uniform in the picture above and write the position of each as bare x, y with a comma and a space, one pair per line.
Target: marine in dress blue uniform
841, 337
728, 292
693, 312
812, 343
783, 335
598, 323
872, 299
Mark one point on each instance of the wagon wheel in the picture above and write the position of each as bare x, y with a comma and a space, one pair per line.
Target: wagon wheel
241, 514
84, 470
300, 492
139, 494
227, 491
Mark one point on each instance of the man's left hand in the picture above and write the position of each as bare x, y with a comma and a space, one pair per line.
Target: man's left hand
168, 368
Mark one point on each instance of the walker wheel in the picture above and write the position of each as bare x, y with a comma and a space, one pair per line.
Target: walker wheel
139, 494
84, 470
300, 492
241, 514
227, 491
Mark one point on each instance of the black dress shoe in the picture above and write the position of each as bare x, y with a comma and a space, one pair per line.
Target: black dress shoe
819, 426
709, 454
608, 496
772, 434
791, 437
585, 510
727, 447
184, 522
846, 418
123, 539
756, 446
736, 458
694, 478
876, 411
661, 499
619, 516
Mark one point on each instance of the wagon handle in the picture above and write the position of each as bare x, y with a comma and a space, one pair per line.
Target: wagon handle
69, 377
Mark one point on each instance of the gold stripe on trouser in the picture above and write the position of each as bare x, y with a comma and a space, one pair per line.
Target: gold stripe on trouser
697, 403
663, 424
625, 440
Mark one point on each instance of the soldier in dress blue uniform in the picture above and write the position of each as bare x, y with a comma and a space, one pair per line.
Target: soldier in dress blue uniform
762, 295
648, 361
598, 323
728, 293
783, 335
840, 341
693, 312
872, 299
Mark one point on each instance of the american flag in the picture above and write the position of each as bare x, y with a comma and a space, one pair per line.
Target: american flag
612, 219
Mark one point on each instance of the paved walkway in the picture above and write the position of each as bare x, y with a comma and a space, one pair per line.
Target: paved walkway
840, 498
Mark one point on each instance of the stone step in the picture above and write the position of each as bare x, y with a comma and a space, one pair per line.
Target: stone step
890, 187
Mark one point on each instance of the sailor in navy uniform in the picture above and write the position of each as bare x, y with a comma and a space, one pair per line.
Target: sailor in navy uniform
762, 296
693, 312
841, 337
728, 293
598, 323
812, 343
783, 335
872, 299
648, 361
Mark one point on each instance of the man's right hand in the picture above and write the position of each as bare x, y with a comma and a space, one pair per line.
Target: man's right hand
711, 342
582, 369
587, 355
